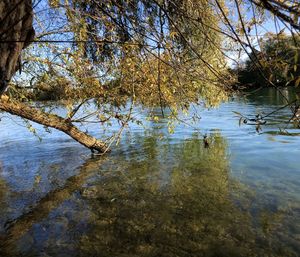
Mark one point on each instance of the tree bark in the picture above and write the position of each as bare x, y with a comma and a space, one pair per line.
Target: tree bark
16, 33
52, 121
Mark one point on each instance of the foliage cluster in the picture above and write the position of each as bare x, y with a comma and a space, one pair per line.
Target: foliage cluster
278, 60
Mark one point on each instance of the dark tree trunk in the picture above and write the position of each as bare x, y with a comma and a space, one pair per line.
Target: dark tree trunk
53, 121
16, 32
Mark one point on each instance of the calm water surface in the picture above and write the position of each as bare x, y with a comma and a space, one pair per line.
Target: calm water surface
156, 194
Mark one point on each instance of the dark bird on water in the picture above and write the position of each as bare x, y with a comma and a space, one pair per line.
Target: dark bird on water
205, 141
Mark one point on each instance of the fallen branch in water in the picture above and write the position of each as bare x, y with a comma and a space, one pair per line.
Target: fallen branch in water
52, 121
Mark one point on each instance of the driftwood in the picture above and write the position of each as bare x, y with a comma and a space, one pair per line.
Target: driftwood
16, 33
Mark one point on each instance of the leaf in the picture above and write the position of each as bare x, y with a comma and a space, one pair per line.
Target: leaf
237, 113
173, 34
286, 70
240, 121
37, 179
295, 18
296, 57
155, 118
297, 82
271, 77
292, 75
54, 3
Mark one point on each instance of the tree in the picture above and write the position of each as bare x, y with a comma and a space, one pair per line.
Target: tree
287, 11
16, 32
122, 54
279, 60
148, 53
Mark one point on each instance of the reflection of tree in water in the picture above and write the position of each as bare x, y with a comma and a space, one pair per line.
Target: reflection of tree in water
271, 97
151, 208
20, 227
156, 199
3, 194
3, 190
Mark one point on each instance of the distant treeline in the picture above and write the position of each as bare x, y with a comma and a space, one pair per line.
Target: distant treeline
277, 61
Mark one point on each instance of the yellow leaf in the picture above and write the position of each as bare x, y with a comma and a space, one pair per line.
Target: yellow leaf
173, 34
297, 82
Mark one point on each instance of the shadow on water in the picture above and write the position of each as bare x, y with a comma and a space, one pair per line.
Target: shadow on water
155, 197
269, 96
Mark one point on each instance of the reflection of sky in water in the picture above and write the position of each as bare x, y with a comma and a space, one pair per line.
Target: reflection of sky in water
30, 169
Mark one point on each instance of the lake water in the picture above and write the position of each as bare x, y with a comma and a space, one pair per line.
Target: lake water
156, 194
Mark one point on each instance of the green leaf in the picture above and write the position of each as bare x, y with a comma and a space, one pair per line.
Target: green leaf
292, 75
296, 56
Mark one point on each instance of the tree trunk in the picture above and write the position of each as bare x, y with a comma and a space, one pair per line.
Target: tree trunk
16, 32
53, 121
